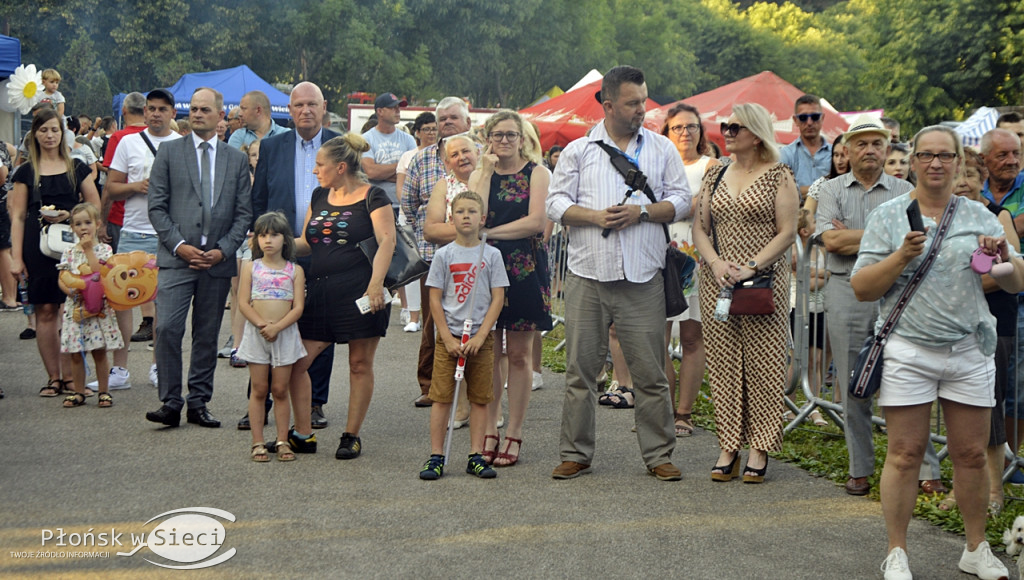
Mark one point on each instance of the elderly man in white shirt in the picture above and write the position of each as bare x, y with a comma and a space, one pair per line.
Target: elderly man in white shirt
617, 278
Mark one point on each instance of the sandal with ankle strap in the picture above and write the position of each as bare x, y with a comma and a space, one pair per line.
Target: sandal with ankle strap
259, 453
684, 424
104, 401
284, 451
490, 454
52, 389
510, 458
75, 400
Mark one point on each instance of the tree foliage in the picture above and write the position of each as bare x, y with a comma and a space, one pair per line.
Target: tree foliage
921, 60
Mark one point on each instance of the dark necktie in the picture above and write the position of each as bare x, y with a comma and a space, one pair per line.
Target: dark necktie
205, 188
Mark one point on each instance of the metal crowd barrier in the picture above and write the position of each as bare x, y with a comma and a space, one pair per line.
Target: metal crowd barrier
805, 330
556, 247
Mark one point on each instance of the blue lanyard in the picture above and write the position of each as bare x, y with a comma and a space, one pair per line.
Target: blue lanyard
635, 158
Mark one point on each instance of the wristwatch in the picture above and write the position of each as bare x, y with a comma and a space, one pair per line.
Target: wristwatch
752, 264
644, 216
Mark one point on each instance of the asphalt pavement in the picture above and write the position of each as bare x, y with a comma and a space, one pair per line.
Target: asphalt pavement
101, 475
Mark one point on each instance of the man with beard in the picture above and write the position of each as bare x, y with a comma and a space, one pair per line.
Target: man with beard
616, 253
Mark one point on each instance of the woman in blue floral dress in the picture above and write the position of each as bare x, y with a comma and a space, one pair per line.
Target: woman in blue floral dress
515, 184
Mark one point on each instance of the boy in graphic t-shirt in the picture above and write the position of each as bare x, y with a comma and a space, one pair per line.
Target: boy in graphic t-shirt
454, 275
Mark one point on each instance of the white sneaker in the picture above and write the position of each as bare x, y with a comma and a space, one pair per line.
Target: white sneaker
896, 567
460, 424
403, 318
119, 380
538, 381
153, 376
412, 327
983, 563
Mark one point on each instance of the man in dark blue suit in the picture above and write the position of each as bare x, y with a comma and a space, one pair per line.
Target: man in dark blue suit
285, 182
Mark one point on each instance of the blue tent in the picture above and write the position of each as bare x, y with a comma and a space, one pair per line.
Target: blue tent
233, 83
10, 55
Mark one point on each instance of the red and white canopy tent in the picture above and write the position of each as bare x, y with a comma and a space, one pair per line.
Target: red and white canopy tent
766, 89
568, 116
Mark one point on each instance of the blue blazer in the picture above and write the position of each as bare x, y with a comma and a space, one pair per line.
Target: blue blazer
273, 188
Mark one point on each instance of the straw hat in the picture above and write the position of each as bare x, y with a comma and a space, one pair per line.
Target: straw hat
866, 123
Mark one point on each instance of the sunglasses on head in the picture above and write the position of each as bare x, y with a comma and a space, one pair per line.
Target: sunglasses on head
731, 129
813, 117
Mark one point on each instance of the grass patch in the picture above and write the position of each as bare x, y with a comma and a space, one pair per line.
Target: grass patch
821, 451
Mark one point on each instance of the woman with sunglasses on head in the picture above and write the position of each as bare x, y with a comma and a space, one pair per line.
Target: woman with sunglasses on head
745, 225
941, 347
513, 181
684, 128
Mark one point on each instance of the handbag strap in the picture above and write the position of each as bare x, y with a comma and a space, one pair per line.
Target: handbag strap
623, 165
919, 274
711, 216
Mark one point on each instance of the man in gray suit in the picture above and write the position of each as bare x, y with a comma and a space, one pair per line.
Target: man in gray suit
200, 207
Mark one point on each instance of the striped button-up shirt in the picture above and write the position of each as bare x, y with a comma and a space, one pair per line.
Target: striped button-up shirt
425, 170
586, 178
846, 200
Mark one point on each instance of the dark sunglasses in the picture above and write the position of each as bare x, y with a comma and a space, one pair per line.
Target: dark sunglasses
813, 117
731, 130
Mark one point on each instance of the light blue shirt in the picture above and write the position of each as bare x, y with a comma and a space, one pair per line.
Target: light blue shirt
243, 137
950, 303
305, 181
386, 149
807, 169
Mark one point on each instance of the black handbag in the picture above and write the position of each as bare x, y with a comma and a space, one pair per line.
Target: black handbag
678, 265
406, 263
754, 295
866, 377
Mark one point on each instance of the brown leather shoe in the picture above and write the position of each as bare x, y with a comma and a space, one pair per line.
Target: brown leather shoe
569, 470
933, 486
423, 401
858, 486
666, 472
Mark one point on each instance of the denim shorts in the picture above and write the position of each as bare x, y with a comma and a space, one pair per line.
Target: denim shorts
131, 241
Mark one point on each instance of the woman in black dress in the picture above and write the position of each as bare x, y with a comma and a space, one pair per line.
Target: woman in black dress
50, 178
343, 211
514, 182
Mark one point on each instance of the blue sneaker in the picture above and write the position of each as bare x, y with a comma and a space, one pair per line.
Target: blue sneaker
433, 468
1017, 477
478, 467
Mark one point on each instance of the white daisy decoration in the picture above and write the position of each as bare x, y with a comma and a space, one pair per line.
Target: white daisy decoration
25, 88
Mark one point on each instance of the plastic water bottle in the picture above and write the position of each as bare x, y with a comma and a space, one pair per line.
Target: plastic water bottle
26, 306
723, 305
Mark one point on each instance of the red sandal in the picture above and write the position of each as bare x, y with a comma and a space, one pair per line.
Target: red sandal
510, 458
490, 454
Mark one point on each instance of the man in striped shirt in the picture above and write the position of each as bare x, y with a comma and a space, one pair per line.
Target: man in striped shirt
616, 278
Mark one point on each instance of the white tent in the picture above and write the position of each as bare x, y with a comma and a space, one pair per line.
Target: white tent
971, 130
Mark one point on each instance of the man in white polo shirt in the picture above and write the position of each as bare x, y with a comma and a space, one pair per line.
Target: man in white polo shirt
128, 179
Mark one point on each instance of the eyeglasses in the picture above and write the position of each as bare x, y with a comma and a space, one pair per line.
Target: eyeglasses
512, 136
927, 157
428, 129
813, 117
731, 129
690, 128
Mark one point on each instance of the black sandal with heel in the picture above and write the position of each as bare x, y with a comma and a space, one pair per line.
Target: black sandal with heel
729, 471
751, 475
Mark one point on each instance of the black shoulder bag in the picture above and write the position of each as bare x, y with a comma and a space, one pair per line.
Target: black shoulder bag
406, 263
677, 264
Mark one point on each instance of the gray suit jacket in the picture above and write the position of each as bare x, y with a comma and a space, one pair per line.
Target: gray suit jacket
174, 203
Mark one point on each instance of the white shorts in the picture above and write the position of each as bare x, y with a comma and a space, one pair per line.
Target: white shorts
284, 351
913, 374
691, 313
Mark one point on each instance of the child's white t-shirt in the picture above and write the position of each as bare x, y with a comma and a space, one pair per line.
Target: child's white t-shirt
455, 270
